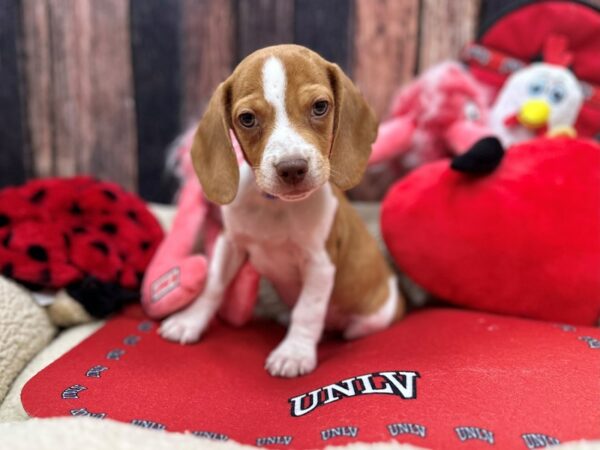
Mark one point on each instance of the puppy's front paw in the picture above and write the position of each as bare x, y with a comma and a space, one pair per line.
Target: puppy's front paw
183, 327
291, 359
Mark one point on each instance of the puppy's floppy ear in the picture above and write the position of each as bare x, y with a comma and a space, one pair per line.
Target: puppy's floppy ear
354, 130
212, 152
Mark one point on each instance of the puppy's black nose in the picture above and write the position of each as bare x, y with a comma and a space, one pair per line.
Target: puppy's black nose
293, 171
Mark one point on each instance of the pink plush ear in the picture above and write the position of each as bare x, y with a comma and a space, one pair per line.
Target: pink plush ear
393, 138
461, 135
406, 102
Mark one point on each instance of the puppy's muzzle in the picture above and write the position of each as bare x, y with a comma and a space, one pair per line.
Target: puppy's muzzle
293, 171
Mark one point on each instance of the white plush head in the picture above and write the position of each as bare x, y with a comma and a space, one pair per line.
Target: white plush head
540, 96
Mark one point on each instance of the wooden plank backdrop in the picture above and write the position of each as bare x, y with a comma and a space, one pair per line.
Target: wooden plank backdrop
155, 36
103, 86
13, 160
78, 91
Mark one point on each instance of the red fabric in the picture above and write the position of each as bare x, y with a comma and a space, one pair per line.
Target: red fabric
509, 378
524, 240
523, 35
56, 231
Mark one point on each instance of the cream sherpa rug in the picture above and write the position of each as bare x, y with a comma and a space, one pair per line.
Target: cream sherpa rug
93, 434
25, 329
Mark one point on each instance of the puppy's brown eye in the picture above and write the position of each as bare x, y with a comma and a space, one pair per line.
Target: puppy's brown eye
247, 120
320, 108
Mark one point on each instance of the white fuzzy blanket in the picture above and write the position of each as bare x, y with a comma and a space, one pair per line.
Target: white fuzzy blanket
93, 434
24, 330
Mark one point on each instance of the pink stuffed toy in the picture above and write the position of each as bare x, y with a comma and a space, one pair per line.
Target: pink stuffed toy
440, 114
176, 275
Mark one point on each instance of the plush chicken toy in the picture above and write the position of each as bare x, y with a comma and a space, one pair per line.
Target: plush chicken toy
543, 98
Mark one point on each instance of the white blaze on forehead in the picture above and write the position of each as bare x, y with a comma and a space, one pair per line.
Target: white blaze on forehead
284, 142
274, 82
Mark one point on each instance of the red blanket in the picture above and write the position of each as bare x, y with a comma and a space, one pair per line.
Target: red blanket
440, 379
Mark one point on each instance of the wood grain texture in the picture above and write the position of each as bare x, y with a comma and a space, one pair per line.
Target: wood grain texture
155, 36
326, 27
37, 81
12, 156
445, 28
78, 73
385, 48
385, 57
261, 23
108, 84
207, 48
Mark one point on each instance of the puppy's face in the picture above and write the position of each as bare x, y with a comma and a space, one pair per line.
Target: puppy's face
282, 115
299, 120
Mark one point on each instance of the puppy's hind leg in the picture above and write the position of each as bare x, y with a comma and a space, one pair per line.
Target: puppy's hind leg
188, 325
392, 309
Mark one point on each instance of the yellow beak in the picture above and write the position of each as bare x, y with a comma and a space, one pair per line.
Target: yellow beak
534, 113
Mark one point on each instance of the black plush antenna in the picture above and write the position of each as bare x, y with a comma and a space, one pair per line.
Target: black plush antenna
482, 158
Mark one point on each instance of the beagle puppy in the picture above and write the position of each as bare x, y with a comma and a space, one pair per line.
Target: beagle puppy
306, 134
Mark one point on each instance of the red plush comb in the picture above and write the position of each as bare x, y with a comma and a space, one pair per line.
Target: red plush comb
556, 51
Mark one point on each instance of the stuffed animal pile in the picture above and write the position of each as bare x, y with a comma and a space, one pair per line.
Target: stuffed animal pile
510, 224
514, 233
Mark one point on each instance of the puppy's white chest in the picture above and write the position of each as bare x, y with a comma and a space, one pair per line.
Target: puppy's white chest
259, 220
279, 236
273, 243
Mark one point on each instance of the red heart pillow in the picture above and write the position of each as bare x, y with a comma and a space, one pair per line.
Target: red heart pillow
524, 240
441, 379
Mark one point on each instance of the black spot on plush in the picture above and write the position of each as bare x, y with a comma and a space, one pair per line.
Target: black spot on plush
76, 209
132, 215
482, 158
139, 276
7, 270
4, 220
78, 230
109, 228
101, 246
110, 195
38, 253
38, 196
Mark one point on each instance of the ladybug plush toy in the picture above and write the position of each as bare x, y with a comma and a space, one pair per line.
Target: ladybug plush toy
87, 236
